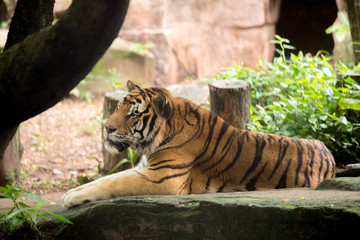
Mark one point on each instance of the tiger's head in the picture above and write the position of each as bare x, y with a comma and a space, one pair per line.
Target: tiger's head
138, 120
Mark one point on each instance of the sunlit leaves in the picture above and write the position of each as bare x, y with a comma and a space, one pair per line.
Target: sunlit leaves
303, 97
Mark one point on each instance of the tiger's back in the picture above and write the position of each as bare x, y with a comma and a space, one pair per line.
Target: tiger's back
220, 157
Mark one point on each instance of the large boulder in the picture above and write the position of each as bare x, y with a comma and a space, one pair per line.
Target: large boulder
270, 214
196, 37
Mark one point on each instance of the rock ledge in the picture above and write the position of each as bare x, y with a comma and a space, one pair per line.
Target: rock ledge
271, 214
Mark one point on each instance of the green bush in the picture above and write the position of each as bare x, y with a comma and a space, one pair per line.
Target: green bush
301, 97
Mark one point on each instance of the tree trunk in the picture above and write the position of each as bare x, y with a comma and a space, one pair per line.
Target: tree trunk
29, 17
353, 11
230, 99
39, 71
111, 159
3, 11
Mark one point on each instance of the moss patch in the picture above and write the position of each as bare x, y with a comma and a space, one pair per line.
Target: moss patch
344, 184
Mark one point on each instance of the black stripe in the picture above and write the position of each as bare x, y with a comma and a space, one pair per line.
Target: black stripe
152, 123
311, 154
174, 134
146, 110
160, 162
207, 183
183, 185
144, 121
164, 178
330, 160
150, 94
223, 129
270, 137
179, 166
142, 92
199, 133
235, 133
236, 157
190, 186
321, 165
145, 143
282, 181
251, 185
283, 146
221, 188
260, 145
188, 111
208, 139
219, 160
300, 152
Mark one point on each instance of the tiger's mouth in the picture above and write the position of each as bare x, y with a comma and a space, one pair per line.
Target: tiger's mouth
119, 146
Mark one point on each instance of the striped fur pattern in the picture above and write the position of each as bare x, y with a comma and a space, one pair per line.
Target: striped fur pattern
191, 150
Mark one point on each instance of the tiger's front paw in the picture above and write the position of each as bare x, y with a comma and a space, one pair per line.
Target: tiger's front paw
76, 197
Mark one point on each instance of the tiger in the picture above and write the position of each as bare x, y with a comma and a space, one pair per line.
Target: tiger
190, 150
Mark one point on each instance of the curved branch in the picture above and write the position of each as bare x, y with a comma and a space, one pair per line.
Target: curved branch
39, 71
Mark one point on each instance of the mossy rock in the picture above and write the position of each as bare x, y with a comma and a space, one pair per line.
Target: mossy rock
342, 183
272, 214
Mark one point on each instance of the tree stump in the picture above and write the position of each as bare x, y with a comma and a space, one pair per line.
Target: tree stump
353, 12
111, 159
10, 165
230, 99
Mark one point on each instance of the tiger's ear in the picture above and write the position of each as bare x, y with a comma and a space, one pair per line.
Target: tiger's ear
132, 86
162, 106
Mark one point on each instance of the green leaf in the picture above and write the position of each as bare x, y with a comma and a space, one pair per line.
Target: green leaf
343, 120
350, 103
277, 37
23, 205
13, 214
16, 221
61, 218
322, 125
39, 205
287, 46
6, 195
12, 188
330, 30
35, 219
121, 162
46, 218
327, 71
4, 189
132, 155
117, 83
33, 197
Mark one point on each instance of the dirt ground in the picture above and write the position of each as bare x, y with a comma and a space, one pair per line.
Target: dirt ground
61, 144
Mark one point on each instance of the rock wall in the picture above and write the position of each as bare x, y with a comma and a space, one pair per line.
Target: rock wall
195, 38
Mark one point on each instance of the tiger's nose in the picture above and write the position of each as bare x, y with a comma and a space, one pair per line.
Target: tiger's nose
110, 129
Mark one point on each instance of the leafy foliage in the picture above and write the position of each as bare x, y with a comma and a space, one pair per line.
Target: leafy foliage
22, 213
132, 157
302, 97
